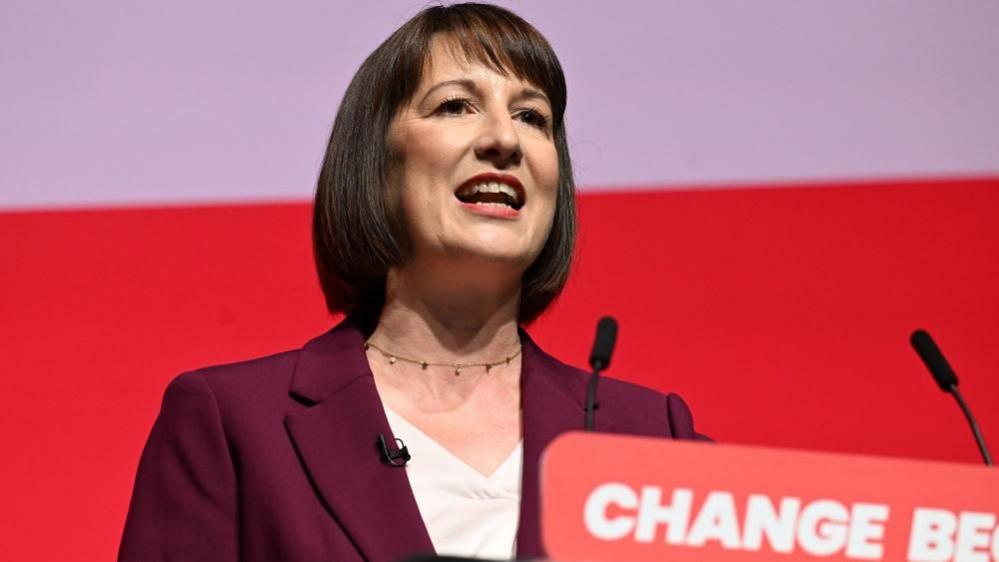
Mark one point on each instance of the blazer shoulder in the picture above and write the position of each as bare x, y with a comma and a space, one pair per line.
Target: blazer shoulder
268, 366
633, 408
626, 396
256, 384
639, 406
185, 498
263, 366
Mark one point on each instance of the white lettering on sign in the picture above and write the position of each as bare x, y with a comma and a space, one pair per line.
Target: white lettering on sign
939, 535
716, 521
973, 530
763, 520
931, 538
651, 514
867, 529
821, 528
595, 512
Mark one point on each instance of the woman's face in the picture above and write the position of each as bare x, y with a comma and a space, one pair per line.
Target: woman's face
475, 164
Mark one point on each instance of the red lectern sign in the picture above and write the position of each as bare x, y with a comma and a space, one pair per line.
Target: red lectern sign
613, 499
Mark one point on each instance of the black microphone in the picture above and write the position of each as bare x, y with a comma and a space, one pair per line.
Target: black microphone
947, 381
397, 458
600, 356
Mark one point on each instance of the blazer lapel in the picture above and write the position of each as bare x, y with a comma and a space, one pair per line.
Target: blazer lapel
336, 439
552, 400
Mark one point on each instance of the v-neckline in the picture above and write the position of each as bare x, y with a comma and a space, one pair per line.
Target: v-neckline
421, 436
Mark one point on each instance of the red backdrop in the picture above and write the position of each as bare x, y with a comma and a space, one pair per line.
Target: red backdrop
781, 315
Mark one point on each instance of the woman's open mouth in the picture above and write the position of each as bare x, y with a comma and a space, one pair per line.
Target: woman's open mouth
501, 191
490, 194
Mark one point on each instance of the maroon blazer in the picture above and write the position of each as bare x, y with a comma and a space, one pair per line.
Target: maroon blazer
275, 459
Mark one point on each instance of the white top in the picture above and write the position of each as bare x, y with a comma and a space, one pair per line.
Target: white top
466, 513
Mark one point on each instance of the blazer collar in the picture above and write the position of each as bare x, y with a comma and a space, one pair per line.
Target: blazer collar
336, 439
330, 362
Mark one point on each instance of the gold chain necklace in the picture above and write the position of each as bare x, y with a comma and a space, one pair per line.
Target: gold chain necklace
393, 357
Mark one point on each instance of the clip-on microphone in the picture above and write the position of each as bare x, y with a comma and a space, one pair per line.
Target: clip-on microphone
397, 458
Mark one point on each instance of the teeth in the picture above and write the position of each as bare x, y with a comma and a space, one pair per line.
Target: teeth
492, 187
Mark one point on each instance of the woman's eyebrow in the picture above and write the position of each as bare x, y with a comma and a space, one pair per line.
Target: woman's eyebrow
465, 83
532, 94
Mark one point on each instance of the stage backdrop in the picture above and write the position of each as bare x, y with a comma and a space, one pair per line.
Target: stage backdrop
773, 195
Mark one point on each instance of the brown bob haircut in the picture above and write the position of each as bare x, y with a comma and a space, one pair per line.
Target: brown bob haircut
358, 234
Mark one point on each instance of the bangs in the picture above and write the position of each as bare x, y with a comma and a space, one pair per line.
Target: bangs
508, 51
502, 42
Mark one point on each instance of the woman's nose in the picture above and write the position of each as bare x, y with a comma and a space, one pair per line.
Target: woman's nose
499, 142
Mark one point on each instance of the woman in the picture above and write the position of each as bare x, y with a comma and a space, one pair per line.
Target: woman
444, 220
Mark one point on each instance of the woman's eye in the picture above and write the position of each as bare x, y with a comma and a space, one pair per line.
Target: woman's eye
534, 118
455, 106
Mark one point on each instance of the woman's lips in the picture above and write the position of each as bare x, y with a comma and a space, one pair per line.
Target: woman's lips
506, 182
496, 210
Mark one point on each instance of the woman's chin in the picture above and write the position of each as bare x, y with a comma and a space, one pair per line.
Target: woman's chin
491, 254
498, 257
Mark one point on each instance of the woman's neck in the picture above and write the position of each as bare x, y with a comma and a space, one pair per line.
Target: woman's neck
449, 318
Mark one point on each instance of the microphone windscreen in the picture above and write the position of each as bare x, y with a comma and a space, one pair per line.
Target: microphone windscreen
934, 360
603, 345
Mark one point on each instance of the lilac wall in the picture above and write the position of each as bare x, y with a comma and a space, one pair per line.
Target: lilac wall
116, 102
